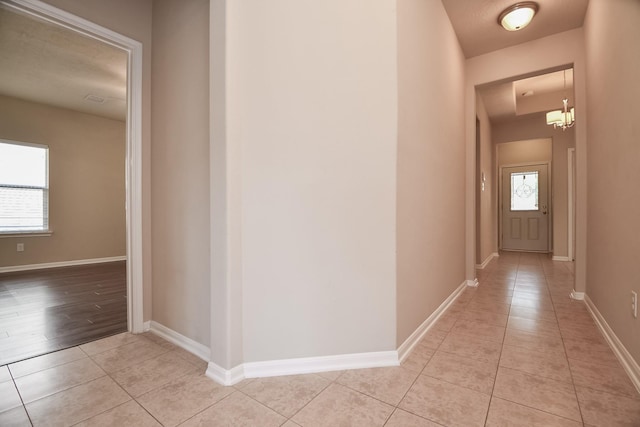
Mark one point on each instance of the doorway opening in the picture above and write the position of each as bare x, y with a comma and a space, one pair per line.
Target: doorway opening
130, 201
515, 109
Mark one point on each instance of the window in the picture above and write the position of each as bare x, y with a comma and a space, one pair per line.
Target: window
524, 191
24, 187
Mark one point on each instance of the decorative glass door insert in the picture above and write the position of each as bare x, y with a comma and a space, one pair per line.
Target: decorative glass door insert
524, 191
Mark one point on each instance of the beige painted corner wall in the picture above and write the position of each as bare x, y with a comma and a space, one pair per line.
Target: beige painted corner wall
86, 183
431, 155
486, 208
312, 109
131, 19
534, 126
180, 174
613, 229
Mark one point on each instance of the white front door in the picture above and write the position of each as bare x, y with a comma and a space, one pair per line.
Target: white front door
525, 213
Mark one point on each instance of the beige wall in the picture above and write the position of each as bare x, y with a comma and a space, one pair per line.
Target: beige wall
180, 174
614, 134
312, 109
486, 203
515, 152
533, 126
86, 183
131, 19
431, 177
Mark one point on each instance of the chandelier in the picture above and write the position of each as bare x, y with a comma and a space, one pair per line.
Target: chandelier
564, 118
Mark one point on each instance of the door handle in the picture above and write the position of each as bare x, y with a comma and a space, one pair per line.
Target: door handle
544, 209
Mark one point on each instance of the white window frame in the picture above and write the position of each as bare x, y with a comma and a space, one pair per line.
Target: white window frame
46, 230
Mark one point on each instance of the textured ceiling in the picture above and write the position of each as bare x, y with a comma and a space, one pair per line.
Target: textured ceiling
48, 64
476, 22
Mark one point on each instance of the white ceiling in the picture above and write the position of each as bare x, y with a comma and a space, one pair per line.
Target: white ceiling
476, 22
49, 64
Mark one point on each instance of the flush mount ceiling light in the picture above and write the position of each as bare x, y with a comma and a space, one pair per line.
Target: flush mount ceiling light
518, 16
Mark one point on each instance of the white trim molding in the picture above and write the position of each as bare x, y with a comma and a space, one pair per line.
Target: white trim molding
629, 364
223, 376
561, 258
307, 365
486, 262
472, 283
186, 343
42, 266
24, 234
571, 209
578, 296
274, 368
409, 344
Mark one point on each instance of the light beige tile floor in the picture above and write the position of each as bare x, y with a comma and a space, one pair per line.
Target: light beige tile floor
516, 351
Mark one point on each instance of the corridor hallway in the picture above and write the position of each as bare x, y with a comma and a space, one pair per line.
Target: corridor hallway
516, 351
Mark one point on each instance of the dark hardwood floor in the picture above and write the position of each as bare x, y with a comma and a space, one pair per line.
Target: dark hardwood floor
47, 310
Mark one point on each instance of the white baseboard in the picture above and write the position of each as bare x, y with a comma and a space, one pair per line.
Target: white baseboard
628, 362
487, 261
146, 326
560, 258
202, 351
273, 368
27, 267
408, 345
576, 295
305, 365
472, 283
223, 376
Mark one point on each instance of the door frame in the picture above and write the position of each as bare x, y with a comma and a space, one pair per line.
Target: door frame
133, 167
549, 201
571, 208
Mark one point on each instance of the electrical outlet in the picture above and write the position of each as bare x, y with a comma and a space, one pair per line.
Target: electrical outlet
634, 303
20, 247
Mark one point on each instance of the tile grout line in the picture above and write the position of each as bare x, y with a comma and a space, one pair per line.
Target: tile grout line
520, 404
495, 380
530, 407
542, 410
334, 381
133, 398
575, 391
107, 374
458, 318
213, 404
397, 407
116, 383
24, 406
